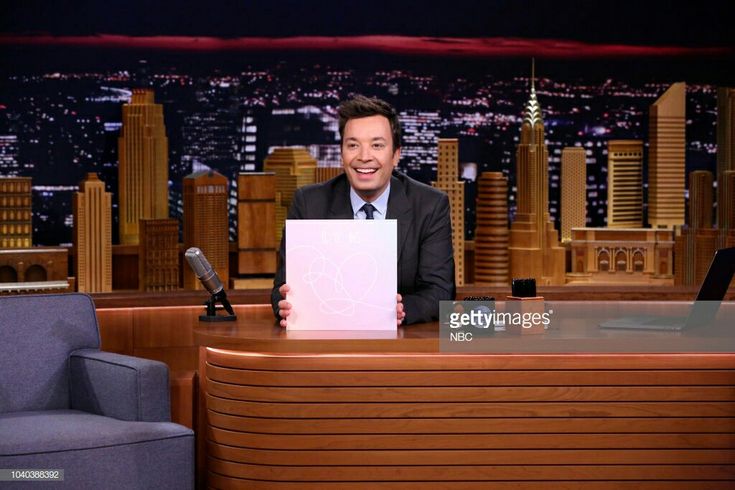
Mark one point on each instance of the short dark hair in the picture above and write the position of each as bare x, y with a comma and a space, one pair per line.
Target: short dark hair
360, 106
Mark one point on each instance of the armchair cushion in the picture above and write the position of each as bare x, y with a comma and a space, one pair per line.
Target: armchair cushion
68, 430
123, 387
96, 451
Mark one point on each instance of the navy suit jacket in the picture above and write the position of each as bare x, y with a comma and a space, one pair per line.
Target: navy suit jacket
425, 258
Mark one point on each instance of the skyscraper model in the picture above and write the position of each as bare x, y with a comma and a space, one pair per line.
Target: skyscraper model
625, 184
294, 167
447, 170
206, 223
158, 255
573, 191
534, 243
695, 245
15, 212
491, 234
93, 236
666, 170
256, 222
143, 168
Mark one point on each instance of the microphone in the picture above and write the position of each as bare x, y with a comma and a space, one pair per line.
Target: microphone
203, 270
211, 282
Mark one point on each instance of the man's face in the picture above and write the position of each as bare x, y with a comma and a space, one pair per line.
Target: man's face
368, 156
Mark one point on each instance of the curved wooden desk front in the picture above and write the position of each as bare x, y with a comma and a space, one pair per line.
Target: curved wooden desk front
293, 413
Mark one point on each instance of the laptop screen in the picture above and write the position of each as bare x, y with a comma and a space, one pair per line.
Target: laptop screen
718, 278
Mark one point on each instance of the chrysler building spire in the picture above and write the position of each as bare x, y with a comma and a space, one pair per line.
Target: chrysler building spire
532, 110
534, 243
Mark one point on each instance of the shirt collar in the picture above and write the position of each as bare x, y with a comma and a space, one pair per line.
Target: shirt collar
381, 204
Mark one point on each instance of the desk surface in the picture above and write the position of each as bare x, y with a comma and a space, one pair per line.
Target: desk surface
577, 331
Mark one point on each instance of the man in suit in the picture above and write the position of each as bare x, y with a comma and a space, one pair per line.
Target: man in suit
370, 188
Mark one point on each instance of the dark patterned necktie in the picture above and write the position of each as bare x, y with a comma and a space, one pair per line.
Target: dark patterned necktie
369, 210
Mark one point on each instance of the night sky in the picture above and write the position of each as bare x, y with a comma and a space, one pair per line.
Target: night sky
641, 22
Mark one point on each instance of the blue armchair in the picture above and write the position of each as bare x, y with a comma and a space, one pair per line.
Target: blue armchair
103, 418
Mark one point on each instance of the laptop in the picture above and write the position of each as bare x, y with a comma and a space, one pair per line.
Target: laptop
711, 293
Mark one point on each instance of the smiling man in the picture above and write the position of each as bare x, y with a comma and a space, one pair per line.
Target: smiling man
371, 188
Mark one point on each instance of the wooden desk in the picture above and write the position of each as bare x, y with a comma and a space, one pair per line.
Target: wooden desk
395, 413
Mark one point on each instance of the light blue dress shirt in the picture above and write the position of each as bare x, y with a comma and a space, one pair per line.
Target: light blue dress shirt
380, 204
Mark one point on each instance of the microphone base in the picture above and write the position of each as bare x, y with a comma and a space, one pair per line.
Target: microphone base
211, 309
217, 318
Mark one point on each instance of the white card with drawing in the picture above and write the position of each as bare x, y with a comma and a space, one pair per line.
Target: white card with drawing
342, 274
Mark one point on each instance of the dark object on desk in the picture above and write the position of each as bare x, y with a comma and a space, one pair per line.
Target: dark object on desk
525, 303
212, 283
486, 307
211, 308
705, 306
523, 288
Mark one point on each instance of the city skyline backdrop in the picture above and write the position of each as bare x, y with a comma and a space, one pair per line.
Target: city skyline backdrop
230, 93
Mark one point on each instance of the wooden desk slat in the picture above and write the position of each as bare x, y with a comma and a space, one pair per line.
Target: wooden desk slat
472, 426
394, 394
453, 362
470, 441
219, 481
488, 473
472, 410
472, 456
608, 377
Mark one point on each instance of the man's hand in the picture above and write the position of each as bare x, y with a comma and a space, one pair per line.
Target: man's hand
284, 307
400, 314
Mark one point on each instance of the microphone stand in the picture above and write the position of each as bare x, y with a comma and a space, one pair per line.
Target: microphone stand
212, 308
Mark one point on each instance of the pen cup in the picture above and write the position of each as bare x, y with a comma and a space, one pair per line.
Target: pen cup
527, 315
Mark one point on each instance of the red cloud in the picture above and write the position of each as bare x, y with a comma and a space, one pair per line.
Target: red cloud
425, 46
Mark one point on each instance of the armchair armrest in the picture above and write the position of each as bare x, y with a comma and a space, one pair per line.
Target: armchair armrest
118, 386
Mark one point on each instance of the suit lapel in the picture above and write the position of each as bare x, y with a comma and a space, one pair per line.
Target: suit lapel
399, 208
340, 206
